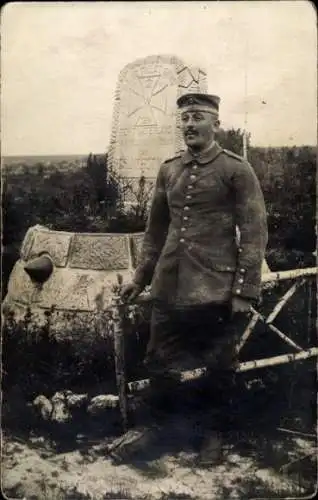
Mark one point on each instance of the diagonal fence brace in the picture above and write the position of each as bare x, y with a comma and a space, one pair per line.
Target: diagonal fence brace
279, 306
256, 316
278, 332
247, 332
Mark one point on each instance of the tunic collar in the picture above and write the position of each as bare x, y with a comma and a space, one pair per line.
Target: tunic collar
204, 157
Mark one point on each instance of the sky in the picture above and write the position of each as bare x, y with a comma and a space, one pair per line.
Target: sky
60, 63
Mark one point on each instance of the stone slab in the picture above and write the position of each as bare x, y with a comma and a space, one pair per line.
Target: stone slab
67, 289
145, 127
99, 252
76, 290
136, 247
56, 243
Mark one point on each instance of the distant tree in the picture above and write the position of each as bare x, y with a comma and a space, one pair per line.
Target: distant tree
96, 168
232, 139
39, 168
288, 181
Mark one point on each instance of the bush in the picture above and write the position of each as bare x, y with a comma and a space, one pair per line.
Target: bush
287, 177
45, 363
82, 355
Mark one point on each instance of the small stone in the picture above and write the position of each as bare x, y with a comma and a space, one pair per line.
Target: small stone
102, 402
234, 459
44, 406
60, 413
76, 400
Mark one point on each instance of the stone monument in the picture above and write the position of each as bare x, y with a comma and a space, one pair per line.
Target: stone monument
145, 126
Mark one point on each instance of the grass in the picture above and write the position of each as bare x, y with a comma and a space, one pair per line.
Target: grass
154, 470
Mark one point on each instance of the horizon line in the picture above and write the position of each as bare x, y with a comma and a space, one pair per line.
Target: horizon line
105, 152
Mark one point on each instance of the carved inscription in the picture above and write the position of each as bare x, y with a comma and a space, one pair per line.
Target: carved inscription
145, 131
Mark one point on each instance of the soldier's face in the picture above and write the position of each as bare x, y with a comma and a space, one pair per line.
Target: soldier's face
198, 128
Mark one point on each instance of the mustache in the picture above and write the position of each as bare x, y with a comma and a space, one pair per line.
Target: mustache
191, 131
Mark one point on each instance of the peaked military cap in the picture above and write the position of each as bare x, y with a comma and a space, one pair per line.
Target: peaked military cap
200, 102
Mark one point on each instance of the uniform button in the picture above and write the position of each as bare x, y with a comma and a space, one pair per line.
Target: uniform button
185, 217
240, 250
183, 229
228, 268
241, 280
186, 207
189, 196
181, 240
195, 167
190, 186
238, 291
193, 177
242, 271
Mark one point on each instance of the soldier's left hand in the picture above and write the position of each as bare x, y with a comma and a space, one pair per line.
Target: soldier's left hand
241, 305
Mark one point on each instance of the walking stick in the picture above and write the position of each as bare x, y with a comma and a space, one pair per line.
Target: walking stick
119, 348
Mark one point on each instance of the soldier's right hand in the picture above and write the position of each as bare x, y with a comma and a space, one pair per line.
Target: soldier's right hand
130, 292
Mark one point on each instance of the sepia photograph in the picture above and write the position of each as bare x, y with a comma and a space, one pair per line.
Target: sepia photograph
159, 250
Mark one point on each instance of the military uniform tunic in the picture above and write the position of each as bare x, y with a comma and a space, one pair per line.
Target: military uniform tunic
190, 253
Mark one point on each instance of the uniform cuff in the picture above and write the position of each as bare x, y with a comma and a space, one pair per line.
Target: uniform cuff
243, 288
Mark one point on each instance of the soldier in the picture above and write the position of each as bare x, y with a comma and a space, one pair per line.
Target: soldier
203, 282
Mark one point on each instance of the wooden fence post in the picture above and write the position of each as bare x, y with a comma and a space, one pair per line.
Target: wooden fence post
119, 348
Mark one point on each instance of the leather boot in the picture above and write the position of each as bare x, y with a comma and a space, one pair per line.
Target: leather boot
133, 445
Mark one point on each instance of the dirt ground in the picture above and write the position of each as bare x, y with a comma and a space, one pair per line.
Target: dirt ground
256, 464
274, 455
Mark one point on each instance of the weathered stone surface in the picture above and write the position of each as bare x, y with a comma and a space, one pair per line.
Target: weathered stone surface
82, 290
74, 290
145, 128
136, 247
99, 251
56, 243
27, 242
20, 287
75, 400
60, 412
43, 407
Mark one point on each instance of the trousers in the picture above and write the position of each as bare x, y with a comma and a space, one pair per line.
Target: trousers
189, 338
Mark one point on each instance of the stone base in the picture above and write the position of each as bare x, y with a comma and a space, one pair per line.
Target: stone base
87, 268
